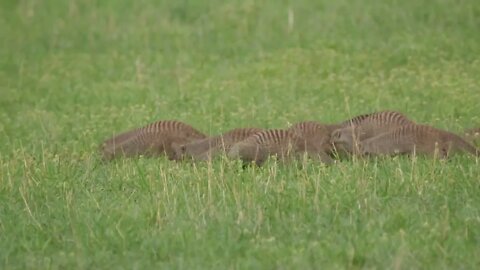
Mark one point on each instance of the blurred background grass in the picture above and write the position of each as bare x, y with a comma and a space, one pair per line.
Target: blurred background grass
80, 65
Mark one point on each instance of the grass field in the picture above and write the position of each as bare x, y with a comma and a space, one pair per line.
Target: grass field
74, 72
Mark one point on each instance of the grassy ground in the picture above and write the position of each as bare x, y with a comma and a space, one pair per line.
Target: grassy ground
74, 72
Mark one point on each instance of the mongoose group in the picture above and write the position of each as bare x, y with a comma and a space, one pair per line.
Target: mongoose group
384, 133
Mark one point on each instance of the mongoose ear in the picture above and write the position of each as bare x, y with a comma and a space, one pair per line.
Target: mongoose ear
336, 134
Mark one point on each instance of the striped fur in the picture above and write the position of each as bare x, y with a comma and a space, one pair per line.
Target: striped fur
152, 140
418, 139
282, 143
210, 147
382, 116
360, 128
316, 134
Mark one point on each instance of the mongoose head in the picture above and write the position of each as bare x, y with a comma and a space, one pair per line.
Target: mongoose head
346, 139
473, 136
179, 151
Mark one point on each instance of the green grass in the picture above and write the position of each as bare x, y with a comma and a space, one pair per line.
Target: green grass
74, 72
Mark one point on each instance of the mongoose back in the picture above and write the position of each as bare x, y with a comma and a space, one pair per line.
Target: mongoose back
210, 147
282, 143
419, 139
151, 140
357, 129
382, 116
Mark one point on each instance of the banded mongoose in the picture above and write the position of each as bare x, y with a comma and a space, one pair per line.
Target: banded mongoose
316, 134
357, 129
472, 136
152, 140
210, 147
282, 143
418, 139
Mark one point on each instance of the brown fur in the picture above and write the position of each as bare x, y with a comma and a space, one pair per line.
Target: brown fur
472, 136
210, 147
152, 140
390, 116
360, 128
284, 144
419, 139
316, 134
